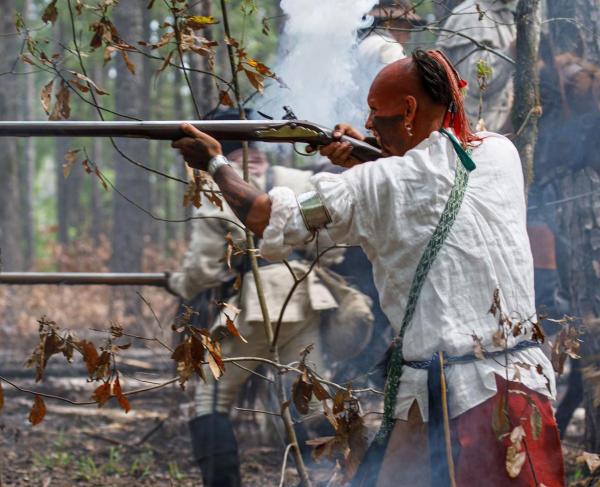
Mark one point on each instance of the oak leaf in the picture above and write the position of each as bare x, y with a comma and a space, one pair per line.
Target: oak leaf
46, 95
535, 420
62, 108
70, 160
225, 99
233, 329
318, 390
50, 13
302, 391
38, 410
128, 63
102, 394
121, 398
500, 422
592, 460
514, 461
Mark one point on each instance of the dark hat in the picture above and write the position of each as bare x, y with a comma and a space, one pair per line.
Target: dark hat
230, 146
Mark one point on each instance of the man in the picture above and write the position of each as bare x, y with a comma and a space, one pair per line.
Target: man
311, 307
488, 103
382, 40
441, 241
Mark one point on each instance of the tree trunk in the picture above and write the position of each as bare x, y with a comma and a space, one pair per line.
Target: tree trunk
97, 217
526, 105
203, 86
131, 98
10, 213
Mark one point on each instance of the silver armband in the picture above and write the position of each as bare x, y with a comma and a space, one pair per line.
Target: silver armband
313, 212
216, 163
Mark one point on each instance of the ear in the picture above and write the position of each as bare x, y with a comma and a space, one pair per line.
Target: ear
410, 109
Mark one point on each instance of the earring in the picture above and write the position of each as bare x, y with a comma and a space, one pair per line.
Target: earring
408, 128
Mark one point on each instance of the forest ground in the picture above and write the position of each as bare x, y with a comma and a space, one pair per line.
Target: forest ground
150, 445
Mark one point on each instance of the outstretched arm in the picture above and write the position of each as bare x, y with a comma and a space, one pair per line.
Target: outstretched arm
251, 206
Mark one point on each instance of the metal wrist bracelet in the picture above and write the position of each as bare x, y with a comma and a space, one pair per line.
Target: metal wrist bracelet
217, 163
313, 211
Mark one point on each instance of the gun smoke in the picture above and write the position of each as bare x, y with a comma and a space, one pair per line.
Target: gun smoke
320, 36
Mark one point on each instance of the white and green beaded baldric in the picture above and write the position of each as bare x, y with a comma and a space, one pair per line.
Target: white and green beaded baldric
464, 165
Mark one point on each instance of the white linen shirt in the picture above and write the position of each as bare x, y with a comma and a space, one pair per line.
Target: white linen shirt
390, 207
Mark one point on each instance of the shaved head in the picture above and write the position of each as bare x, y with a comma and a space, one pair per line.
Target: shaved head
402, 112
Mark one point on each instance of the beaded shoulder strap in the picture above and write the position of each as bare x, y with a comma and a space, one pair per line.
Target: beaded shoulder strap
431, 251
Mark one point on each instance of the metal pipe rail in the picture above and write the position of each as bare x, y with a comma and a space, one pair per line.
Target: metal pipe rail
158, 279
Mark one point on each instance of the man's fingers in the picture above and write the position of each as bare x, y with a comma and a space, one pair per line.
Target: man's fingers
182, 143
346, 129
192, 131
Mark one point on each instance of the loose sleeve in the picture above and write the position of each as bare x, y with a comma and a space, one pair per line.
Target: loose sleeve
287, 229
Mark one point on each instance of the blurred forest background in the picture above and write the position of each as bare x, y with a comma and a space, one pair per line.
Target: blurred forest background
98, 205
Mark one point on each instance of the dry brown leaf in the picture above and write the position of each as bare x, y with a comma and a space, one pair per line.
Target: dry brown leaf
46, 96
477, 347
500, 423
1, 396
90, 355
499, 338
256, 80
70, 160
233, 329
102, 394
514, 461
128, 63
535, 420
302, 391
62, 108
121, 399
318, 390
50, 13
592, 460
38, 410
225, 99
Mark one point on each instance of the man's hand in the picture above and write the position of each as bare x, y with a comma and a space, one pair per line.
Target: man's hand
197, 149
339, 152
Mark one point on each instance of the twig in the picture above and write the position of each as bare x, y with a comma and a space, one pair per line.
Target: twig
284, 463
85, 403
151, 308
246, 410
297, 282
253, 372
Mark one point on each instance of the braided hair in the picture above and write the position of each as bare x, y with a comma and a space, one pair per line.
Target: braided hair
443, 85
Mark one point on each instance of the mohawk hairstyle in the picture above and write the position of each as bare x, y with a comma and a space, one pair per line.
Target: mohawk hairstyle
443, 85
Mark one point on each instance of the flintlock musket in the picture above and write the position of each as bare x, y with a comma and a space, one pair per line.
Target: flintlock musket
275, 131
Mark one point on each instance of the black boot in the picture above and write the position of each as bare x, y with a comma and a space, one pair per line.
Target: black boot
215, 450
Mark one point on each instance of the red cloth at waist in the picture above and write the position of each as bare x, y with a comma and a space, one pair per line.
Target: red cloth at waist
482, 457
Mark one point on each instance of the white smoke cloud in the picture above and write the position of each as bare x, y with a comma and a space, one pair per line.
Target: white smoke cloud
318, 62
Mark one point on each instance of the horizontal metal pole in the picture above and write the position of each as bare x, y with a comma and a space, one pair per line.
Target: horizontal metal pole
84, 278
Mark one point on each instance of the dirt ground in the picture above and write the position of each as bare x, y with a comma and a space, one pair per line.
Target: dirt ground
150, 445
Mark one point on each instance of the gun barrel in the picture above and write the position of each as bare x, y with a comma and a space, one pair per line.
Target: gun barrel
253, 130
84, 278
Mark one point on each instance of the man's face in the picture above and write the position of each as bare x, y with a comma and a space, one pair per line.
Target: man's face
386, 123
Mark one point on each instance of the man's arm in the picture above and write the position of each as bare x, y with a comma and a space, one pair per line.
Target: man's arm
251, 206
